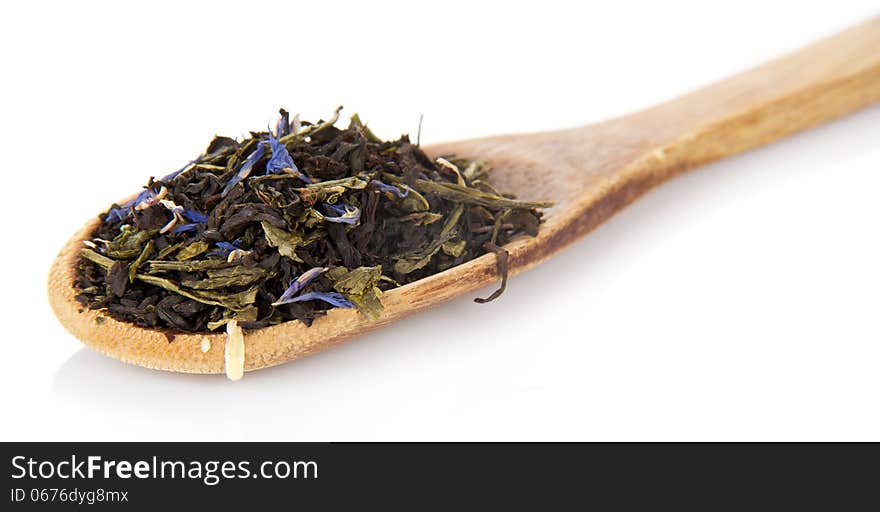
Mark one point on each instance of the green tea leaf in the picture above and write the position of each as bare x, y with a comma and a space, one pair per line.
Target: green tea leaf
285, 241
156, 266
450, 226
168, 251
223, 278
128, 243
421, 218
248, 314
192, 250
357, 123
414, 202
408, 263
330, 191
264, 201
234, 301
454, 247
360, 286
98, 259
135, 265
418, 259
468, 195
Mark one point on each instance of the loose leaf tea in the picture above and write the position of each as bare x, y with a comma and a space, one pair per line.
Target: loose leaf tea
289, 223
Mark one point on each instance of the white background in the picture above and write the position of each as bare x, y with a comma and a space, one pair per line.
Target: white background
739, 302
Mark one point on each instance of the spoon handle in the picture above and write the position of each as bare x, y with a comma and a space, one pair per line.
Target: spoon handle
816, 84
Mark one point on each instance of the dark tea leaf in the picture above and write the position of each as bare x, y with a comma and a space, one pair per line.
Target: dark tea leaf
288, 223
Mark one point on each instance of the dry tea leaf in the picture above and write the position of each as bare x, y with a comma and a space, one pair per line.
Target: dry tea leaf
246, 230
128, 244
192, 250
136, 264
284, 241
360, 286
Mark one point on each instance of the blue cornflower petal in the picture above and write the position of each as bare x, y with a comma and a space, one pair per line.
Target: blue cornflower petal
122, 211
224, 248
281, 160
145, 195
194, 216
384, 187
174, 174
298, 284
345, 215
245, 170
187, 228
332, 298
117, 213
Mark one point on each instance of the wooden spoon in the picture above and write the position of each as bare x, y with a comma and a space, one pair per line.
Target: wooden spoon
589, 172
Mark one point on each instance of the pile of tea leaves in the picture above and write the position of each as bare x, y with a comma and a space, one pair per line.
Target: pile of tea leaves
289, 223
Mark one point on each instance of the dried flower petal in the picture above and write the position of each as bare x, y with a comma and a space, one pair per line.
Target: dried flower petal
174, 174
298, 284
177, 212
116, 214
194, 216
345, 214
374, 207
245, 170
187, 228
223, 249
171, 205
281, 161
384, 187
333, 298
147, 198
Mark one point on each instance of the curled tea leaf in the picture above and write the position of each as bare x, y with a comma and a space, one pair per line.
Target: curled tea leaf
285, 241
330, 191
135, 265
360, 286
128, 244
192, 250
156, 266
454, 247
501, 256
227, 277
233, 301
324, 197
461, 194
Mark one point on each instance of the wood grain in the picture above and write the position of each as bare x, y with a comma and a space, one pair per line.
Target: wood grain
590, 172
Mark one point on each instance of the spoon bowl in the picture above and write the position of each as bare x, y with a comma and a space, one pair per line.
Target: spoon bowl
588, 172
